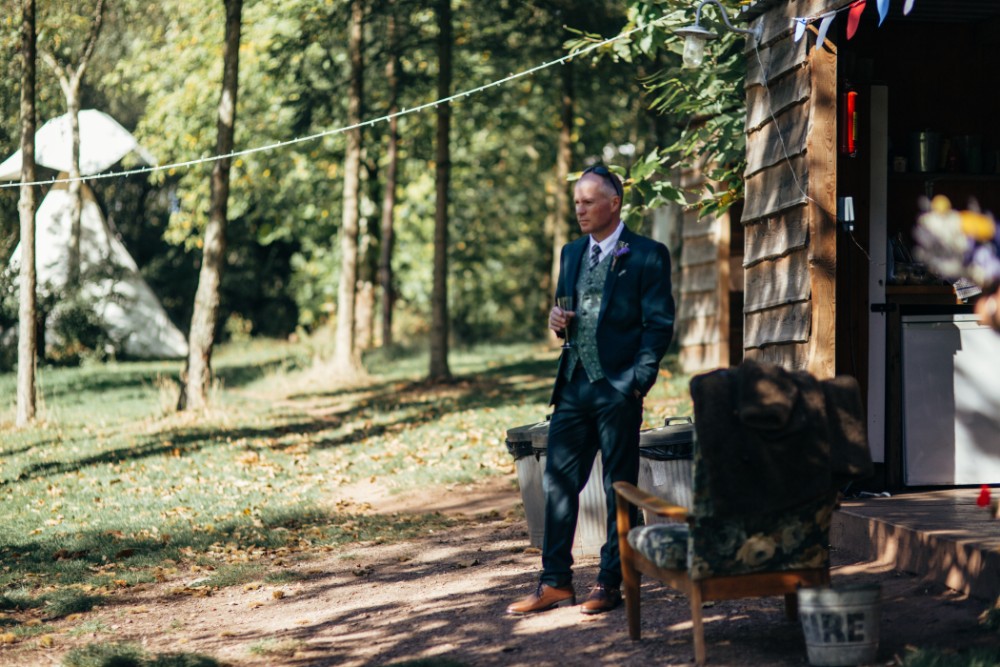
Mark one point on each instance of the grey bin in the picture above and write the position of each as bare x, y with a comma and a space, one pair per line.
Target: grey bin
665, 463
528, 444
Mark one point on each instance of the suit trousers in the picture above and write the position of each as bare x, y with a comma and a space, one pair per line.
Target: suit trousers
589, 417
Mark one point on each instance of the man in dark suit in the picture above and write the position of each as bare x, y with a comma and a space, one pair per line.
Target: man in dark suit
620, 328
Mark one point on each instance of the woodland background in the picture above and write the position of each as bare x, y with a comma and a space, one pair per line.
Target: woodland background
513, 148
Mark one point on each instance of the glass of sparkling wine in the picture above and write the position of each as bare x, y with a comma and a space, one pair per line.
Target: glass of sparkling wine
565, 303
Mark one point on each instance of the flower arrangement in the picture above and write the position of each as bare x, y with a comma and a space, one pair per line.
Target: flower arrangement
620, 251
958, 244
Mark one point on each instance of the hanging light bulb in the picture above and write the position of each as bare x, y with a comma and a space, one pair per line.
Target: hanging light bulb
695, 36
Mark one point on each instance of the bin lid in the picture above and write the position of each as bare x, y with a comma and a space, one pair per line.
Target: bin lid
673, 440
523, 433
520, 439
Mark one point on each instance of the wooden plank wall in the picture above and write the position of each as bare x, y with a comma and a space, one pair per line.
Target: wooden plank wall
703, 306
789, 215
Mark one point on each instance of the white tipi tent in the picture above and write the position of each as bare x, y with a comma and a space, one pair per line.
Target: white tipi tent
125, 303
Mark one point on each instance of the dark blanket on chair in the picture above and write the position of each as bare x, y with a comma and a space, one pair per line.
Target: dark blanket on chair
772, 438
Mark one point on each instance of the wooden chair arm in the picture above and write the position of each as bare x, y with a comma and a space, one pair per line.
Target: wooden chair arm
649, 502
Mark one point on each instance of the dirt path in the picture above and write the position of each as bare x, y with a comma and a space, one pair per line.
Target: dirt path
444, 595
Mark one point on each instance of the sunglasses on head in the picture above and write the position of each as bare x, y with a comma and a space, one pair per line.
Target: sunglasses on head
603, 171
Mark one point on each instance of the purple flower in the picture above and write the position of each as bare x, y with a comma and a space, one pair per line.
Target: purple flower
621, 250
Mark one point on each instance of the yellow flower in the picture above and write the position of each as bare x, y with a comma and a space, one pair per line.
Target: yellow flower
940, 204
977, 226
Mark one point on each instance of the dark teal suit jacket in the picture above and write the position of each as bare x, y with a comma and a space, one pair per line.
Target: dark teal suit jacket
636, 322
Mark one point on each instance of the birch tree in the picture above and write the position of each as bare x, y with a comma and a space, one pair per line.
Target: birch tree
198, 371
345, 351
27, 341
70, 75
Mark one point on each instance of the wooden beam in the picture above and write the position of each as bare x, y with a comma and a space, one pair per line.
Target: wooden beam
821, 154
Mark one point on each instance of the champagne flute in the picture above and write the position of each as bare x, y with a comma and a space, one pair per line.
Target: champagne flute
565, 303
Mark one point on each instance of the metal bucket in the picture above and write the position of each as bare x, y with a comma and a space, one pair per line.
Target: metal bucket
840, 624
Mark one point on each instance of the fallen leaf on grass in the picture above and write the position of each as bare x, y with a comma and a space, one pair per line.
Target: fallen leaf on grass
46, 641
193, 591
31, 623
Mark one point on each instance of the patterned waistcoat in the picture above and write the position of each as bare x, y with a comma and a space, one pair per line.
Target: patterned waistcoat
589, 291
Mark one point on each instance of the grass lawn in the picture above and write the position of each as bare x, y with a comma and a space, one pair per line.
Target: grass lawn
112, 489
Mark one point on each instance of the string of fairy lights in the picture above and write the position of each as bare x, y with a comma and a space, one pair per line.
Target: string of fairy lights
346, 128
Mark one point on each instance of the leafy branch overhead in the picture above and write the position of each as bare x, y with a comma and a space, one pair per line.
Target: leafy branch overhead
704, 107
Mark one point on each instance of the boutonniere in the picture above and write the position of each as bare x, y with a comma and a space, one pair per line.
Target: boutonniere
620, 252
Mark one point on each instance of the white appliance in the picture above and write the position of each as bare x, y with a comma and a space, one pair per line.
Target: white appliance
951, 401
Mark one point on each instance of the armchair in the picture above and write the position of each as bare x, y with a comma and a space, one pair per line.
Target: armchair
711, 557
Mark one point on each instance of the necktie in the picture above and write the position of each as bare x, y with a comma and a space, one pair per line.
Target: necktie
595, 256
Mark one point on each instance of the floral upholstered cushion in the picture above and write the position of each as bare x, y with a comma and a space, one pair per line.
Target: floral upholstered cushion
665, 544
791, 539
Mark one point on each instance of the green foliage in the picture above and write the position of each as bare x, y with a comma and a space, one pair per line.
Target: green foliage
66, 601
117, 654
705, 106
973, 657
285, 648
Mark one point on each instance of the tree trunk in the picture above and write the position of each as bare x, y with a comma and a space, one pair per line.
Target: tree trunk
564, 156
201, 338
70, 81
72, 93
439, 296
389, 196
27, 341
345, 356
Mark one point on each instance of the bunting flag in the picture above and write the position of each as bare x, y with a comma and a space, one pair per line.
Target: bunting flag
824, 27
854, 12
883, 10
854, 17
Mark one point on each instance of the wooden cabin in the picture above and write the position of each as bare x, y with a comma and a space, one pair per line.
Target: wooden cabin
842, 297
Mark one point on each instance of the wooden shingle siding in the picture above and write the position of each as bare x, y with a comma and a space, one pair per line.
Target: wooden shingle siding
775, 141
777, 283
771, 191
790, 185
788, 355
774, 237
784, 324
780, 94
703, 309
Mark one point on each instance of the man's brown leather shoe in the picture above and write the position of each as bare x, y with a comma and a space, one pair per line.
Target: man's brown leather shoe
602, 598
545, 597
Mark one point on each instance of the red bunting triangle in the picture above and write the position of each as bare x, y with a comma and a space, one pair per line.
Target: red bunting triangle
854, 17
